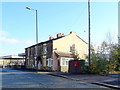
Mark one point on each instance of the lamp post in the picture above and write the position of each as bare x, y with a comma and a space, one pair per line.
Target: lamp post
36, 37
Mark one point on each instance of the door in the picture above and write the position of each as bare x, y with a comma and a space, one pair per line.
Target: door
39, 65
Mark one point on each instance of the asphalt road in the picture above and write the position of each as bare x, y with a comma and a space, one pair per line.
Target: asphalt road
23, 79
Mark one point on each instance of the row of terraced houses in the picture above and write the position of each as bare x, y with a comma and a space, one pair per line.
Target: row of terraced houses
55, 53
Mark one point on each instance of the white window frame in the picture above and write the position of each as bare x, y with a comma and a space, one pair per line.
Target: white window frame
50, 62
28, 51
65, 60
72, 48
45, 49
36, 48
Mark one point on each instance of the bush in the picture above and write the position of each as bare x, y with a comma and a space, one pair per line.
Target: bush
100, 67
85, 69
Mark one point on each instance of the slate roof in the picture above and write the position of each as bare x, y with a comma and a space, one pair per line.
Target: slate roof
46, 41
63, 54
55, 39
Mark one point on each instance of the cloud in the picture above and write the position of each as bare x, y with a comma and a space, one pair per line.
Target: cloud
29, 42
15, 41
3, 33
5, 39
9, 40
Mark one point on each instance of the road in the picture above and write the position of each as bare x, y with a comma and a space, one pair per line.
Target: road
24, 79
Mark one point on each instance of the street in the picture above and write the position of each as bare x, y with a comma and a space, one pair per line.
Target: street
25, 79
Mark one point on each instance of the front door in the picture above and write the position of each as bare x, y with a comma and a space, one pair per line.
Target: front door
59, 68
39, 65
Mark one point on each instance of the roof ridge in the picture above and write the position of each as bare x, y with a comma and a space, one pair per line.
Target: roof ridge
46, 41
81, 39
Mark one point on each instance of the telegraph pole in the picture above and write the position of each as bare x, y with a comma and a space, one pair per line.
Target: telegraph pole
89, 59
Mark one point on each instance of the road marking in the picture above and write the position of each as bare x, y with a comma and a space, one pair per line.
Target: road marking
5, 73
14, 72
43, 72
109, 80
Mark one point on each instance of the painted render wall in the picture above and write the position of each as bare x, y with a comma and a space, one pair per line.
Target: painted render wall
54, 67
63, 45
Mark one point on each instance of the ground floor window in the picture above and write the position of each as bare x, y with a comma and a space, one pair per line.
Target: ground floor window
65, 61
49, 62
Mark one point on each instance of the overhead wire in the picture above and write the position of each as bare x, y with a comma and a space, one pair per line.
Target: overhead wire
81, 14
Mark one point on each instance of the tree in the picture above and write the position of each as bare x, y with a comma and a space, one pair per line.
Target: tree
114, 61
99, 59
75, 54
105, 59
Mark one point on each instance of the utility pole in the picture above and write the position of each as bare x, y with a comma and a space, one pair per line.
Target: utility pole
89, 59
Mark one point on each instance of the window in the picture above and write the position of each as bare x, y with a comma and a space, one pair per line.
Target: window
72, 48
50, 62
44, 49
35, 50
28, 52
65, 61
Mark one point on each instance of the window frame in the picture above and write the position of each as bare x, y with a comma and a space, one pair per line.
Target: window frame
64, 61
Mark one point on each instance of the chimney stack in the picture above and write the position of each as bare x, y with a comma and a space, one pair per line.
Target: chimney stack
60, 35
73, 33
50, 38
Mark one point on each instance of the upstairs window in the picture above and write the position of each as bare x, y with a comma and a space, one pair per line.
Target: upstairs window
36, 48
72, 48
44, 49
28, 52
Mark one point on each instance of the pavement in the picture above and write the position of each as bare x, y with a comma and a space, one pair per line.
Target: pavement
111, 81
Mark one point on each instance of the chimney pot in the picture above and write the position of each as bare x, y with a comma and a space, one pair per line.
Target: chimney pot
63, 34
60, 35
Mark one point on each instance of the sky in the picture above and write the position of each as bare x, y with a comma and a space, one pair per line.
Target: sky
17, 29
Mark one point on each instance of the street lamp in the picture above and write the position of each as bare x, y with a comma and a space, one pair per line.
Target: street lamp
36, 23
36, 36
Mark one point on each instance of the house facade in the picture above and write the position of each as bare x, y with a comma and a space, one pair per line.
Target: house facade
56, 53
